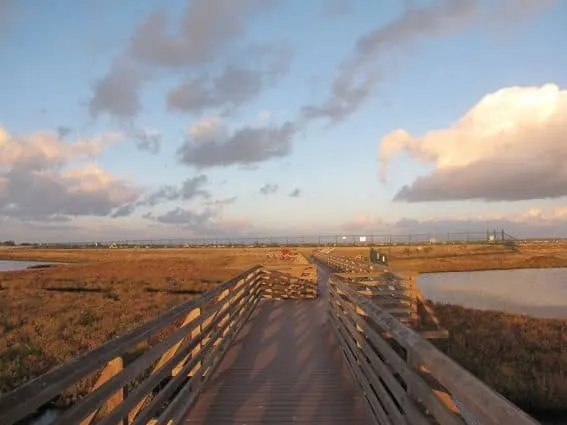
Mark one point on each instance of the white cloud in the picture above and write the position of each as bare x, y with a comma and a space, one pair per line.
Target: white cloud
44, 178
46, 149
205, 129
509, 146
370, 62
364, 221
531, 222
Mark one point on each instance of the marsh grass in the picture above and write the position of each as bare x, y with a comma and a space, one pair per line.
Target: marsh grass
461, 257
521, 357
49, 316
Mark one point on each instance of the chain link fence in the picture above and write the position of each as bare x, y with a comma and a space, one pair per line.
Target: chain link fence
488, 237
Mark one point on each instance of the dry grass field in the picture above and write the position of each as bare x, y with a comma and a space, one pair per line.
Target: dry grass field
453, 258
50, 315
523, 358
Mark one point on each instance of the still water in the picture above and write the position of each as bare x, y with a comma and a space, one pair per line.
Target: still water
535, 292
9, 265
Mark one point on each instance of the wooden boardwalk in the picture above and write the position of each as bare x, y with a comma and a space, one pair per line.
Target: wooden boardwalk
284, 367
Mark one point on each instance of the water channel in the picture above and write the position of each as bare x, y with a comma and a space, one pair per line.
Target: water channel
535, 292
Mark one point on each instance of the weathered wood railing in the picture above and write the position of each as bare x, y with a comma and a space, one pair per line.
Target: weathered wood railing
405, 379
159, 385
349, 264
279, 285
396, 293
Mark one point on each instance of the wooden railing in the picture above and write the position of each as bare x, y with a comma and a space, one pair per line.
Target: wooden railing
348, 264
279, 285
158, 385
396, 293
404, 378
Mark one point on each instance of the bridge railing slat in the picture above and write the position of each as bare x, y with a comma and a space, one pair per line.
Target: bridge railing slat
188, 395
191, 369
140, 393
183, 347
24, 400
434, 385
393, 365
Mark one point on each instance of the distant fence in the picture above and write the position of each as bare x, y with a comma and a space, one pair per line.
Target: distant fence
367, 239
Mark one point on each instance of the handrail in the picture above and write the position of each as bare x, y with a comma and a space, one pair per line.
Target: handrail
381, 352
179, 363
346, 264
284, 286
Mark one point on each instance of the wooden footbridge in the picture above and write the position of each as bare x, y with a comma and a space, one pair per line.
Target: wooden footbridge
350, 347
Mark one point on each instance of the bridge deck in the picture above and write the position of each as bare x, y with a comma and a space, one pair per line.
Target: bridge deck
285, 366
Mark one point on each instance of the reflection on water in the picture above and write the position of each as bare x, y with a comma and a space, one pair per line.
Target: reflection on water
9, 265
45, 418
535, 292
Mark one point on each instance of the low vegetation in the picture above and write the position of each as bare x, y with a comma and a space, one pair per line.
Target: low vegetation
50, 315
463, 257
523, 358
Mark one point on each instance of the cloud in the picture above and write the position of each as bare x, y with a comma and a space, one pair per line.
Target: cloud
364, 222
367, 64
43, 194
44, 149
360, 73
180, 216
269, 188
207, 30
206, 129
221, 203
124, 211
85, 229
207, 221
210, 144
189, 189
116, 94
235, 85
510, 146
63, 131
148, 140
532, 222
45, 178
295, 193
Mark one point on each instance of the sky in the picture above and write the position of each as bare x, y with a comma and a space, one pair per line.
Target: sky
189, 118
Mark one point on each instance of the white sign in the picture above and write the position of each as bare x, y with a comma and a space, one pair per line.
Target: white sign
363, 239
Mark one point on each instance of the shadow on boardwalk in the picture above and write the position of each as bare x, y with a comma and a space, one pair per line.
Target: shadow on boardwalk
284, 367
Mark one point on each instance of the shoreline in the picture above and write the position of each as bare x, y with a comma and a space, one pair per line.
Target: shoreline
495, 269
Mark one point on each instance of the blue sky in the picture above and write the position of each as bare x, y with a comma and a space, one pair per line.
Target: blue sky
427, 64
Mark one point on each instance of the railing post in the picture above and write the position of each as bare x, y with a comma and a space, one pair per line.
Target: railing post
223, 297
361, 313
193, 315
112, 368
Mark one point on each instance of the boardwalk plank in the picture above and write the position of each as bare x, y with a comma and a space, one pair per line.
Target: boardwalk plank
284, 367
